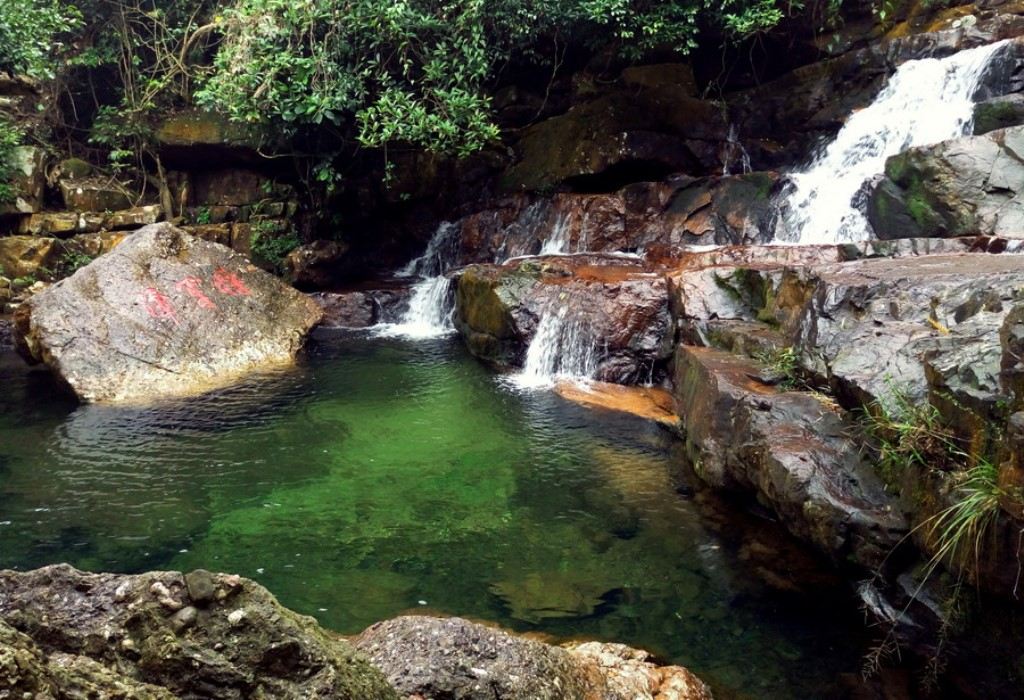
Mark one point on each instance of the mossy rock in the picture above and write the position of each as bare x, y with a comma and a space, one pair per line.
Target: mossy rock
999, 113
154, 636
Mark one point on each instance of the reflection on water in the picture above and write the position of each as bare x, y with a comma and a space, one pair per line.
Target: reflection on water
384, 475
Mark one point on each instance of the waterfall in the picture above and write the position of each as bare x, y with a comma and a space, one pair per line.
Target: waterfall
557, 242
925, 101
733, 147
562, 348
430, 307
439, 257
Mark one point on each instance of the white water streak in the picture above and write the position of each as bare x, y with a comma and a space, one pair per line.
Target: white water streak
561, 349
926, 101
430, 307
557, 242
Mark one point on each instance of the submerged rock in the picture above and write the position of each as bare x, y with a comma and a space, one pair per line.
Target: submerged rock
454, 658
163, 314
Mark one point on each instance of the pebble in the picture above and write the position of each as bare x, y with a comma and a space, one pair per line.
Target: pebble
171, 603
183, 619
121, 594
236, 617
201, 588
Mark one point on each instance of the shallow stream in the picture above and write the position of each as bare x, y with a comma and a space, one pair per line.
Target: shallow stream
385, 475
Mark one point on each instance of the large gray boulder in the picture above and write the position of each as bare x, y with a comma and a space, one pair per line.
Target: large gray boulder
163, 314
968, 186
426, 657
69, 634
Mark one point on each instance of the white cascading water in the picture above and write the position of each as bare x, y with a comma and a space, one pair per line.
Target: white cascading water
925, 101
562, 348
557, 242
430, 306
734, 151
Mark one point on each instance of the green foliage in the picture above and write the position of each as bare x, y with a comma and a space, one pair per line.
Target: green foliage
71, 261
959, 529
271, 244
784, 362
748, 18
416, 72
28, 35
10, 138
907, 434
203, 216
24, 281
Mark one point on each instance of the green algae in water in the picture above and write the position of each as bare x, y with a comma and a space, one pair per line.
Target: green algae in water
384, 476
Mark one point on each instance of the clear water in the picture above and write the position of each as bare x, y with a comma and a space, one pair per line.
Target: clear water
382, 476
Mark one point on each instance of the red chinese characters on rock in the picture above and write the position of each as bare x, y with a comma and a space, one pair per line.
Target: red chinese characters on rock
228, 283
157, 305
193, 287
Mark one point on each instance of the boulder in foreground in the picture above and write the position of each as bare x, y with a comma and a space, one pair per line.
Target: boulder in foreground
65, 633
165, 635
164, 314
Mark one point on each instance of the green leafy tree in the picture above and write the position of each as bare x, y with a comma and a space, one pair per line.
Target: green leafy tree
417, 72
29, 30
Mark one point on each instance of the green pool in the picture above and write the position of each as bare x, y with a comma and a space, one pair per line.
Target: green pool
385, 475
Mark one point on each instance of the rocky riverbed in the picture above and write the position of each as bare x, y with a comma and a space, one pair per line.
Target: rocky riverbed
623, 247
65, 633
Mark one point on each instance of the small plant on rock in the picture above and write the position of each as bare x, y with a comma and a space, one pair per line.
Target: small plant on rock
911, 435
71, 261
959, 529
785, 364
270, 244
907, 433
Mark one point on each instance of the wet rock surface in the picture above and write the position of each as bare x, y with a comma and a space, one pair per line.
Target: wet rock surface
973, 185
677, 211
362, 308
621, 309
454, 658
999, 113
164, 314
791, 448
